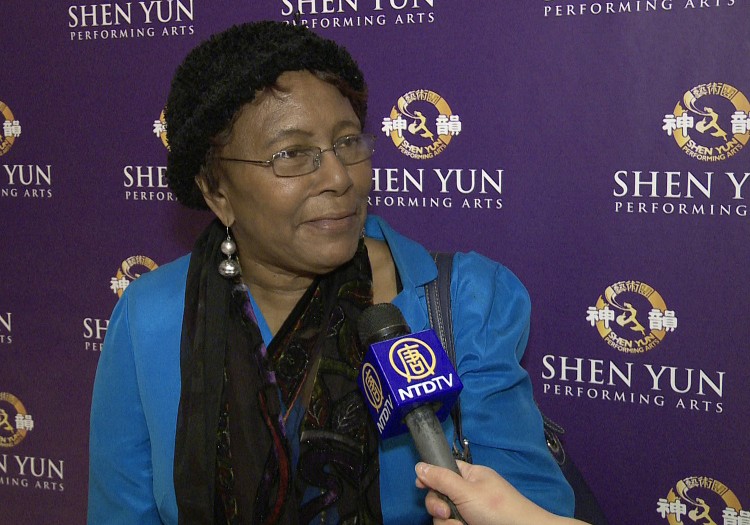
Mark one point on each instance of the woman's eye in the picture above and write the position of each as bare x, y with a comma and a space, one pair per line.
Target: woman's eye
351, 140
290, 153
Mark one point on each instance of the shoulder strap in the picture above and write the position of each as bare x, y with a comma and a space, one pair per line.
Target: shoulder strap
439, 302
438, 294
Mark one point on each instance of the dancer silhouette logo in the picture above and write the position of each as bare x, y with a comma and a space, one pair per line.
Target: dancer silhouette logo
421, 124
632, 317
711, 122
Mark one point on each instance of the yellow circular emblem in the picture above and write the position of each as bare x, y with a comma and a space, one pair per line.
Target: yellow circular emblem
632, 317
712, 122
421, 124
412, 358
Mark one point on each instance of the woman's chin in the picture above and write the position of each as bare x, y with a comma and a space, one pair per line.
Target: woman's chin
326, 257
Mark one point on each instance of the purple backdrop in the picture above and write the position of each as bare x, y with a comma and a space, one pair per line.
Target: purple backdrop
596, 148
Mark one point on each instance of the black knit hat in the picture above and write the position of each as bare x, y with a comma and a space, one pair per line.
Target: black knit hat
223, 73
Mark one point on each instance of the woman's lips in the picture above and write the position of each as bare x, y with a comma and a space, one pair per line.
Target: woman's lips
335, 221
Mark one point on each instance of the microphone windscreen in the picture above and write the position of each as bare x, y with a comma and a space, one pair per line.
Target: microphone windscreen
380, 322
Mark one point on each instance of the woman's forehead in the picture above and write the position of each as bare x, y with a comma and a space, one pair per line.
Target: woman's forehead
299, 105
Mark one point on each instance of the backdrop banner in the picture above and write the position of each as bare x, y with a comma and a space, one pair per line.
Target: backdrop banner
598, 149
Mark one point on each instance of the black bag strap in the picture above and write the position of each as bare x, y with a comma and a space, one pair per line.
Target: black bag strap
438, 293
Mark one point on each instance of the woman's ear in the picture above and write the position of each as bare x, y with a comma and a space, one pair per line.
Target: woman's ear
216, 200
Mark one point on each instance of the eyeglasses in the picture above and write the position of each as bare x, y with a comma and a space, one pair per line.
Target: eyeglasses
294, 162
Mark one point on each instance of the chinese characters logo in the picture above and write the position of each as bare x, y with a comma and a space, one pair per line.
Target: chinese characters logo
14, 421
130, 269
412, 359
702, 500
421, 124
631, 317
11, 129
373, 388
711, 123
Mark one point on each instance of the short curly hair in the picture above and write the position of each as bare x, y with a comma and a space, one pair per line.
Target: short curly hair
224, 73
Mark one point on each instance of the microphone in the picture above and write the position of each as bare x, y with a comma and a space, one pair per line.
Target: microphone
409, 384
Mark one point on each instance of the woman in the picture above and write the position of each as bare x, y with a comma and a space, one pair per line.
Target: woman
226, 391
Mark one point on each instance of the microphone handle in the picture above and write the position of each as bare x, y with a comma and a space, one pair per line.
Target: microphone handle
432, 446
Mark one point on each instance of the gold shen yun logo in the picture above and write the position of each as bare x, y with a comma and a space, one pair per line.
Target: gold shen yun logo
711, 123
130, 270
160, 129
421, 124
702, 500
412, 359
632, 317
11, 129
14, 421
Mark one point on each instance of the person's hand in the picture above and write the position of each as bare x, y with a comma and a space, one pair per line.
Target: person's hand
482, 496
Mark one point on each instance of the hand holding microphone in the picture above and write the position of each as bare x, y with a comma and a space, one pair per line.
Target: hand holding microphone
409, 384
484, 496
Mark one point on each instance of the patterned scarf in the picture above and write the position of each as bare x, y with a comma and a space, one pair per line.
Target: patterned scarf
278, 435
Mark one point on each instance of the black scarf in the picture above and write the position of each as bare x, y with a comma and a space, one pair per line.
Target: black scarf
246, 412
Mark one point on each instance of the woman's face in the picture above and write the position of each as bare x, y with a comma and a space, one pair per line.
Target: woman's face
300, 226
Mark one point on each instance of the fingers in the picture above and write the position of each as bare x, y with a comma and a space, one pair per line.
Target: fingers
438, 509
443, 481
439, 479
464, 467
436, 506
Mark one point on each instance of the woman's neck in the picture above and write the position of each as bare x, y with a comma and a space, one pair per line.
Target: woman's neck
277, 294
384, 287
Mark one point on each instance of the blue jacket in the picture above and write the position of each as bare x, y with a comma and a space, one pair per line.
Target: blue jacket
137, 391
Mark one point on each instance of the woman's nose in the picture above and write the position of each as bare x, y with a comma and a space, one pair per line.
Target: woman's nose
332, 173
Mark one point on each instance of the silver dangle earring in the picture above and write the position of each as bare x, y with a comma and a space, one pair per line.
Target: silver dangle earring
229, 267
